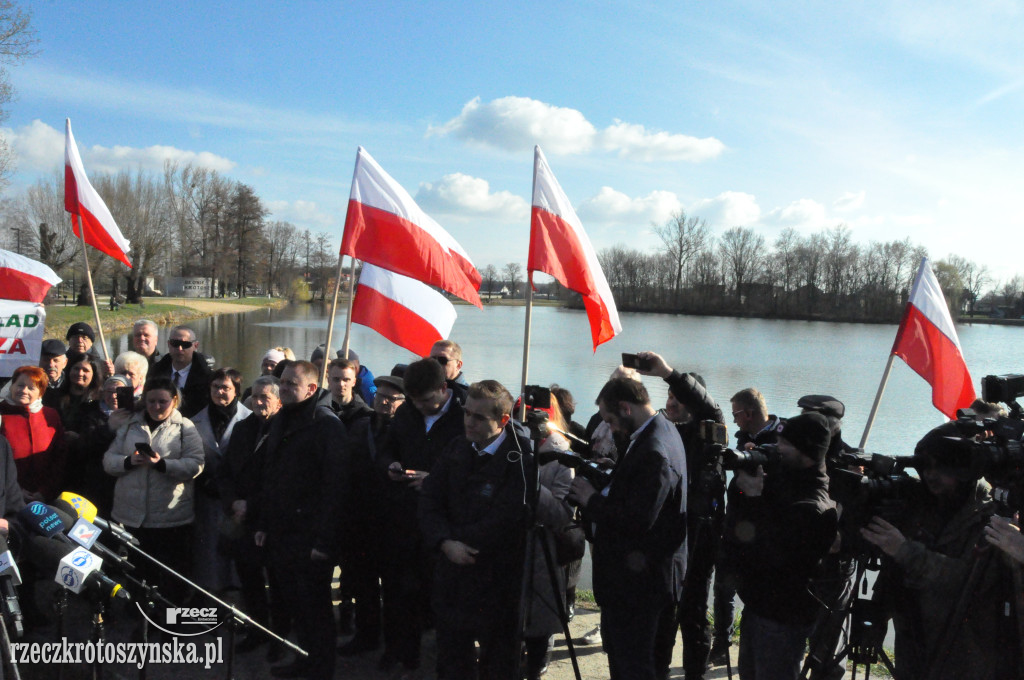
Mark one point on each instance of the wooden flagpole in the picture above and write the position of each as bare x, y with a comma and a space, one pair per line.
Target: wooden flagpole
351, 298
878, 398
526, 345
92, 293
330, 322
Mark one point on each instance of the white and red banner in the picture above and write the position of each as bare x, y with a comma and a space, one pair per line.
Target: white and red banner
406, 312
928, 343
21, 334
22, 278
559, 247
385, 227
101, 231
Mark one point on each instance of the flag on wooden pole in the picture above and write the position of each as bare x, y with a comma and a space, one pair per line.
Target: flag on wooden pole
559, 247
385, 227
928, 343
94, 219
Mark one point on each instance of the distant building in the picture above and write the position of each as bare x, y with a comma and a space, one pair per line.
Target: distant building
189, 286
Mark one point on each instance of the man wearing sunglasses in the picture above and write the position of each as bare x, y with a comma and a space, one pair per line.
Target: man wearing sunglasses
187, 368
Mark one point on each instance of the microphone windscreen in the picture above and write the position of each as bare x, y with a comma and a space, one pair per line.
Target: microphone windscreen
41, 519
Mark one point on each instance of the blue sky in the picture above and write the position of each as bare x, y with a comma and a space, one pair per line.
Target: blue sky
899, 119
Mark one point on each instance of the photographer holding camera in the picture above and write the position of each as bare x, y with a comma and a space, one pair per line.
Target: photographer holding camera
783, 524
948, 591
689, 404
638, 524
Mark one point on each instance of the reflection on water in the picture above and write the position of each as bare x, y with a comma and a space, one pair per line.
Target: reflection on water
784, 359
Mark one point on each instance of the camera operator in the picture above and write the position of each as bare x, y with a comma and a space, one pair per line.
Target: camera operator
936, 563
638, 523
835, 586
687, 405
784, 524
754, 427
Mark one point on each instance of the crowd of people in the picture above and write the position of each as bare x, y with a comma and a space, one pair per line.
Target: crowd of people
445, 509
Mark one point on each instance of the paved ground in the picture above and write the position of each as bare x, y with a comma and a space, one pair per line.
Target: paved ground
253, 665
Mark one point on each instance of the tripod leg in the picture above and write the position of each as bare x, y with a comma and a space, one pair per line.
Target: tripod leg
8, 659
563, 615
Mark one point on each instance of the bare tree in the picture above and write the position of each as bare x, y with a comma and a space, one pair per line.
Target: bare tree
742, 252
17, 42
490, 276
513, 274
683, 237
245, 215
973, 277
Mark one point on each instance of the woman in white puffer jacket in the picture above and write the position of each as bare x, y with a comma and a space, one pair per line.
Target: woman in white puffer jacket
153, 496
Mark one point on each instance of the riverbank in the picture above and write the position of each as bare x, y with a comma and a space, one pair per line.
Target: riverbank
163, 311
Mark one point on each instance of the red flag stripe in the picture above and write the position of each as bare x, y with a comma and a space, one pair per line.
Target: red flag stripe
391, 242
17, 285
933, 356
395, 322
556, 250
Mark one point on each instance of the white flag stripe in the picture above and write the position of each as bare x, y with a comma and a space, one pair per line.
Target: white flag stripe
926, 295
29, 266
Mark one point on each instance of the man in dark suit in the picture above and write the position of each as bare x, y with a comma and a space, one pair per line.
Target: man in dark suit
638, 523
187, 369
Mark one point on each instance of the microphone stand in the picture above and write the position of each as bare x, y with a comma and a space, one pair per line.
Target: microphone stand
7, 658
237, 615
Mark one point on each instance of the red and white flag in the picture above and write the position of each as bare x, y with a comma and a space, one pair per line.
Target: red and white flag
385, 227
81, 199
927, 341
408, 313
22, 278
559, 247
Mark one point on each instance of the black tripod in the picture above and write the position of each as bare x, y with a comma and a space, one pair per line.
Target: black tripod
537, 533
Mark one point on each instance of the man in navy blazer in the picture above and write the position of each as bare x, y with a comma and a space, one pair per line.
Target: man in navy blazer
638, 524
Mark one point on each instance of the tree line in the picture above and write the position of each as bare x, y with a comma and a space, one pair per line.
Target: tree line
821, 275
188, 222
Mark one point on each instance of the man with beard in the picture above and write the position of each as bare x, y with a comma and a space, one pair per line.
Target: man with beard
638, 524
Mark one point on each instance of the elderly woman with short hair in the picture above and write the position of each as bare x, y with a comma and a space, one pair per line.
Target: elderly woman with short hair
135, 367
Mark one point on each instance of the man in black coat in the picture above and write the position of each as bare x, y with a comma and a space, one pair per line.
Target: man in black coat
187, 369
638, 524
424, 425
298, 510
473, 511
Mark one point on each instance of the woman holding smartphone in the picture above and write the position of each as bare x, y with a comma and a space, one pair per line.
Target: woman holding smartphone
155, 457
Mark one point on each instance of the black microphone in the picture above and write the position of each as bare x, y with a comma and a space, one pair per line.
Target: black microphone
74, 567
10, 577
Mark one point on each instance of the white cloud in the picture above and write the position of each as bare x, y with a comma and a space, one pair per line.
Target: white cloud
37, 146
728, 209
517, 123
303, 214
465, 196
805, 215
613, 206
635, 141
850, 201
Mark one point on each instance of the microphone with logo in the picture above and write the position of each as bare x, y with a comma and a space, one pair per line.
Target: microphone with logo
81, 507
84, 533
77, 569
10, 577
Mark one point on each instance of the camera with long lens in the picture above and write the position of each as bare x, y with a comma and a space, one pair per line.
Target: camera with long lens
994, 450
765, 455
598, 475
883, 488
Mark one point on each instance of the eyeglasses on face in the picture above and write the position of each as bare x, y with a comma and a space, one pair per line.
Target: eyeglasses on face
180, 344
441, 360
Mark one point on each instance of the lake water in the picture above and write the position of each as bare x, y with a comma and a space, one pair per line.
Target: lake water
783, 359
